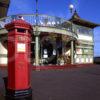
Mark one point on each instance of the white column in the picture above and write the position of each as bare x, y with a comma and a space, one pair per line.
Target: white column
36, 50
72, 52
3, 55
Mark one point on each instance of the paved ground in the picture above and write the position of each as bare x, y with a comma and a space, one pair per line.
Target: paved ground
71, 84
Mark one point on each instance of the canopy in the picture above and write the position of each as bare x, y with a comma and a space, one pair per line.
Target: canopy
79, 21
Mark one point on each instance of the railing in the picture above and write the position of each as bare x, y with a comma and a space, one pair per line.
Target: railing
40, 20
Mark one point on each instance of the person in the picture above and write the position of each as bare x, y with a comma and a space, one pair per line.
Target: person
60, 60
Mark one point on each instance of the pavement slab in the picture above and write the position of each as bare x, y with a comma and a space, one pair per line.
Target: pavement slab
70, 84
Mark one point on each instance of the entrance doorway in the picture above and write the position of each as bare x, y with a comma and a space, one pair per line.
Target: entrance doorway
48, 51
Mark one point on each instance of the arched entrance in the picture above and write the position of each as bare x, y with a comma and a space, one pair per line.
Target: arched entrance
48, 50
53, 49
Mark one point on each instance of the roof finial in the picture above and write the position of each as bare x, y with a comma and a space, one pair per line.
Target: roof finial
75, 15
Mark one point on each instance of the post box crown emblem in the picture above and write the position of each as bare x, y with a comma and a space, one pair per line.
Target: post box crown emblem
19, 23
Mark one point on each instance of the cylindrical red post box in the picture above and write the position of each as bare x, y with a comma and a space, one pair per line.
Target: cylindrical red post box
19, 40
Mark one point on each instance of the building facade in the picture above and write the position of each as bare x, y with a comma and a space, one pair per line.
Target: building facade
4, 4
55, 40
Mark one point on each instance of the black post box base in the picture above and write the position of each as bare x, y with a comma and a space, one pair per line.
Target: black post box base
19, 94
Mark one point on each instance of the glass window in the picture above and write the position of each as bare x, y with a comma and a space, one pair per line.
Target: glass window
83, 30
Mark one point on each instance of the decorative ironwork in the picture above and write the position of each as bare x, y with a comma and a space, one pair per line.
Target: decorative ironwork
43, 20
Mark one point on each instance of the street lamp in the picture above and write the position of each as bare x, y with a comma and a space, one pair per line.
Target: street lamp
36, 37
71, 8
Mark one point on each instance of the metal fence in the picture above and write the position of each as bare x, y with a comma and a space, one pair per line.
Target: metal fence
42, 20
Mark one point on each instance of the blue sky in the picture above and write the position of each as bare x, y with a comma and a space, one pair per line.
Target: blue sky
87, 9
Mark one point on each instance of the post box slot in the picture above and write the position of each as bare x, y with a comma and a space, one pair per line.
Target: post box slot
21, 30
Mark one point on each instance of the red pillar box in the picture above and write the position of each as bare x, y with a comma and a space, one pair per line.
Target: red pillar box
18, 59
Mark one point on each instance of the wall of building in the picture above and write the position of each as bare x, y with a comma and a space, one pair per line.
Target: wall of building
84, 49
3, 55
85, 44
4, 4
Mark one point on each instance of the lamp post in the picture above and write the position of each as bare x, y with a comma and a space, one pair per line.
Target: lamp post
71, 8
37, 37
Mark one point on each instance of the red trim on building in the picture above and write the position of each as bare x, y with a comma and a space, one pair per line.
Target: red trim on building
54, 67
58, 67
3, 66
